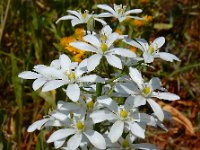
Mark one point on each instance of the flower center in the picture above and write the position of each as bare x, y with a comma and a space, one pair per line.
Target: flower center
90, 104
80, 125
146, 90
123, 113
125, 144
71, 76
151, 49
104, 47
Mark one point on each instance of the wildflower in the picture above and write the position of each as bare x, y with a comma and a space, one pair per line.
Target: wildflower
118, 12
152, 51
77, 17
147, 18
138, 23
102, 45
63, 72
80, 130
124, 116
142, 92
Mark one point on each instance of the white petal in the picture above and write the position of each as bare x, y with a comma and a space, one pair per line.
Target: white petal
137, 130
93, 61
74, 142
133, 11
58, 144
65, 62
60, 134
55, 64
29, 75
73, 92
68, 17
38, 83
145, 146
148, 58
157, 109
135, 101
107, 30
76, 13
106, 7
96, 139
92, 40
60, 116
108, 102
84, 46
82, 68
92, 78
37, 125
116, 131
167, 56
144, 44
155, 83
124, 52
166, 96
136, 76
126, 88
112, 38
53, 84
76, 21
114, 61
133, 43
105, 15
158, 42
102, 115
101, 21
66, 106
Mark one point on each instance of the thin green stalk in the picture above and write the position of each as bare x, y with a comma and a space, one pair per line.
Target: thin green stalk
4, 20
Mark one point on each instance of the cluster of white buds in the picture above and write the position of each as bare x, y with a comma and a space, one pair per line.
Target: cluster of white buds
102, 111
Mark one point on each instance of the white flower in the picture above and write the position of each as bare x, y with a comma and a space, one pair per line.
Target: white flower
118, 12
62, 72
127, 143
144, 91
102, 45
124, 117
151, 51
77, 17
80, 130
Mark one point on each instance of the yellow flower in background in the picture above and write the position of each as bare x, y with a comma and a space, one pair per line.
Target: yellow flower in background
148, 18
138, 23
77, 54
79, 33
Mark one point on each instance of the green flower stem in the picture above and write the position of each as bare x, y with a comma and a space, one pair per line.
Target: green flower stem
99, 89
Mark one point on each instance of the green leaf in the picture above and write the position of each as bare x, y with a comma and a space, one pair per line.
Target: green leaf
163, 26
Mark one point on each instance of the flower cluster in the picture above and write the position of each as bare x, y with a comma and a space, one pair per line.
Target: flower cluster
106, 90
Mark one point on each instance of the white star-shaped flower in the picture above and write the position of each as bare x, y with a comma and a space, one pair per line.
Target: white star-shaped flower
151, 51
118, 12
80, 130
124, 117
77, 17
63, 72
144, 91
102, 45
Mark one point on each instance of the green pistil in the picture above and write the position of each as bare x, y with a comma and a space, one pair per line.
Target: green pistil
125, 144
123, 114
146, 90
90, 104
80, 125
151, 49
71, 76
104, 47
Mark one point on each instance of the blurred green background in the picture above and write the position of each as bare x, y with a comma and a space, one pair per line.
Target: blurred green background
29, 36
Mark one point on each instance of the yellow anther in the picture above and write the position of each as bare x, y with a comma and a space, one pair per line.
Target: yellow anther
123, 113
146, 90
80, 125
104, 47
